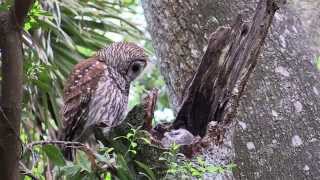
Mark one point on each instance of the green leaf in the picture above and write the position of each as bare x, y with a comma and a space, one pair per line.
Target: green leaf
78, 176
134, 145
34, 15
4, 6
119, 137
200, 161
102, 158
195, 173
84, 51
213, 169
172, 171
54, 154
147, 170
231, 166
83, 161
318, 63
145, 140
162, 159
70, 170
132, 151
110, 150
108, 176
128, 2
129, 135
27, 26
123, 169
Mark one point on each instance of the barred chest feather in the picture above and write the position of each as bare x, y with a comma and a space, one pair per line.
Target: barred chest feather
109, 102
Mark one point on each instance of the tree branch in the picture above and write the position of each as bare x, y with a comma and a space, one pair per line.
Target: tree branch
11, 87
21, 9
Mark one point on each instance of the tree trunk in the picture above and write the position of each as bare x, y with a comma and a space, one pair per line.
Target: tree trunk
11, 88
278, 132
279, 117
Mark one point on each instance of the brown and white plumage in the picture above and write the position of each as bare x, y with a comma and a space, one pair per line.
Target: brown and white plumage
96, 93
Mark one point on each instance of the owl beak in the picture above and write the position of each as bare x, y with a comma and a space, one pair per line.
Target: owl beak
144, 61
102, 125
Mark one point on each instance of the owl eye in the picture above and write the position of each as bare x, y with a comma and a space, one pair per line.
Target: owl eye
136, 67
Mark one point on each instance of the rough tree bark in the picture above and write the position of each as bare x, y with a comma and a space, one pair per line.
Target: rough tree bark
11, 88
278, 133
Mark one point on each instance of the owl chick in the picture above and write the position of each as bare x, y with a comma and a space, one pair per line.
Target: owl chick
96, 93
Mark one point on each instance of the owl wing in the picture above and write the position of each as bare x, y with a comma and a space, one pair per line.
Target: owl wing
78, 91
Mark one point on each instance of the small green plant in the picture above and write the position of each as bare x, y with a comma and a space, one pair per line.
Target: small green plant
104, 162
179, 166
128, 159
171, 157
132, 137
33, 70
34, 16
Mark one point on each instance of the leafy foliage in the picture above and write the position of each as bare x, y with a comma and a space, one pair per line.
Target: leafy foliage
34, 15
5, 5
54, 154
180, 166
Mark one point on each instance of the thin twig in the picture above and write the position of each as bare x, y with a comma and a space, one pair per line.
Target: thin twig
25, 171
63, 143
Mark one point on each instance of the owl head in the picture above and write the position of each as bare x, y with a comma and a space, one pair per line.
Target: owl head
127, 59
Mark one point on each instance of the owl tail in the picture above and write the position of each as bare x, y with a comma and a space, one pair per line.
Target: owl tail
68, 153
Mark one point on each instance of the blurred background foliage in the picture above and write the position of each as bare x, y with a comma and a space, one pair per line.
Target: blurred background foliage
60, 33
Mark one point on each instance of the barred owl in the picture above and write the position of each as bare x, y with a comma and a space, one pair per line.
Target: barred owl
96, 93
